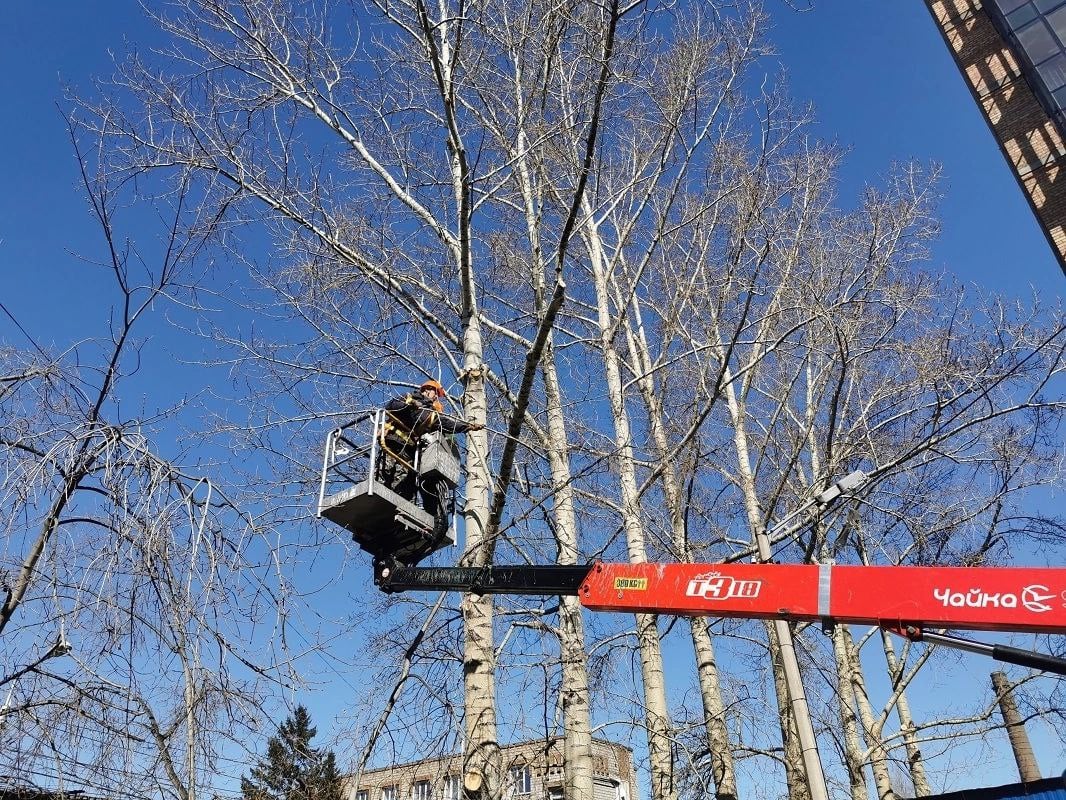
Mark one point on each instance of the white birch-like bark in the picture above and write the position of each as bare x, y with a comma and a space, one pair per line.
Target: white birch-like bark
872, 727
915, 762
575, 682
575, 704
723, 770
651, 660
853, 748
479, 662
795, 770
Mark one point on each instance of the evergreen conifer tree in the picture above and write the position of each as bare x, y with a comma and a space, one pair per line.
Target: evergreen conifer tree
292, 769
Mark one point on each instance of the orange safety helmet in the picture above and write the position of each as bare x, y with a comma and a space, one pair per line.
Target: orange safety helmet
435, 386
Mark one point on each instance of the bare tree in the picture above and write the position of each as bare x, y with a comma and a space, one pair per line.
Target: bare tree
129, 581
519, 198
825, 403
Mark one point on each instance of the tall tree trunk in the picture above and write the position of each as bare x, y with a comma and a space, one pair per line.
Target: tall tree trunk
853, 749
575, 680
651, 660
479, 663
871, 727
795, 772
723, 770
577, 742
915, 762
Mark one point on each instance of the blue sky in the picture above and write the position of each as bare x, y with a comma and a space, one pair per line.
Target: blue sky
882, 81
885, 86
44, 219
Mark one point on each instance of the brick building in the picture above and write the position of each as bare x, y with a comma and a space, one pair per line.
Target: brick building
533, 771
1012, 55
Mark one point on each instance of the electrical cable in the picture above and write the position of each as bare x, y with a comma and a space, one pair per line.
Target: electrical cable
24, 331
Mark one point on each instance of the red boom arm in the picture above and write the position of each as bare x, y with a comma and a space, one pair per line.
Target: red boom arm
905, 600
976, 598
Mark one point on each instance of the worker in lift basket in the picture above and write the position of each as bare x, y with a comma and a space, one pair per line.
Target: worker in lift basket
411, 416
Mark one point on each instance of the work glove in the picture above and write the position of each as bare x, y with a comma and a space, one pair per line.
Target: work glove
475, 426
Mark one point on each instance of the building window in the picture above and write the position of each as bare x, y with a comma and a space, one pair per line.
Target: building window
1036, 32
420, 791
520, 779
362, 794
451, 787
555, 793
1023, 16
1057, 19
1038, 42
1053, 71
388, 793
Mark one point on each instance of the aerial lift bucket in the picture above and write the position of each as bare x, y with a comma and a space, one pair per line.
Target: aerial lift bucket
355, 493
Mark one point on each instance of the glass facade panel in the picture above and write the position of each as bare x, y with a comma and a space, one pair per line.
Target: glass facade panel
1057, 20
1022, 17
1036, 32
1007, 6
1038, 42
1053, 71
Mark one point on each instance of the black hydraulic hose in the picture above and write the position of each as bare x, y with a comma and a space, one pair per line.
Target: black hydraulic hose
1027, 658
1000, 652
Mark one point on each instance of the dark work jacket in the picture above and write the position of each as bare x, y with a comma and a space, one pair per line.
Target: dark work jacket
419, 416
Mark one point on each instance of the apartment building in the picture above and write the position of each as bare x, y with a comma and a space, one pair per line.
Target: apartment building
1012, 55
533, 771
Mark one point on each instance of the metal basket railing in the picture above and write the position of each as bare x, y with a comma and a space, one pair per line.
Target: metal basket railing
350, 454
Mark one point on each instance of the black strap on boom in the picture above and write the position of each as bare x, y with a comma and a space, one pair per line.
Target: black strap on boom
391, 576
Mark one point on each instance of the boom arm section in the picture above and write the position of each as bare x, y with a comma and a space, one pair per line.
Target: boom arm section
518, 579
905, 600
975, 598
